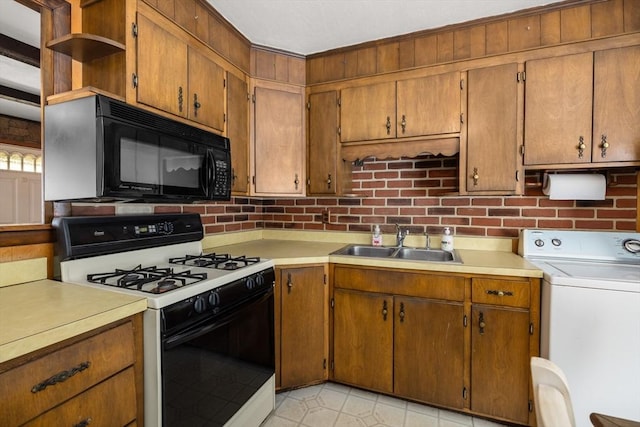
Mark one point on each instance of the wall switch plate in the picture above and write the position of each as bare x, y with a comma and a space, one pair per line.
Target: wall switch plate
325, 216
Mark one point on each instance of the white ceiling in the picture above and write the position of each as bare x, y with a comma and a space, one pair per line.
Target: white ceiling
311, 26
298, 26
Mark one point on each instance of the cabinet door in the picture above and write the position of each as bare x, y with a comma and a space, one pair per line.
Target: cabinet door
558, 110
206, 91
363, 339
323, 143
303, 339
278, 144
428, 351
429, 105
492, 126
368, 112
616, 109
238, 132
162, 68
500, 362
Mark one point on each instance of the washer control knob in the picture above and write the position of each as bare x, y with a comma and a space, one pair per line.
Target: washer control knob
199, 305
539, 243
556, 242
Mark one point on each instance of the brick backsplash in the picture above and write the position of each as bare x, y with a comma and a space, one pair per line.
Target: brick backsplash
417, 193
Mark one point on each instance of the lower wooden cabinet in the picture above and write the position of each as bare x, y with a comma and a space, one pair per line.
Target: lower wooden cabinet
301, 314
458, 341
95, 378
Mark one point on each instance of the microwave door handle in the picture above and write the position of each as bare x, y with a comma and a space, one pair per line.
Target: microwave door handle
208, 185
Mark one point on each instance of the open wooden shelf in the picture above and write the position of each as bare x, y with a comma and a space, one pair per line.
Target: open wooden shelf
85, 47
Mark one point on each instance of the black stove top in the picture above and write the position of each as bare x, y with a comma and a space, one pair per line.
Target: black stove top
155, 280
217, 261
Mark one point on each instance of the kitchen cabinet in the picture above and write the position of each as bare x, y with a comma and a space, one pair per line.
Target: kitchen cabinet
400, 333
504, 336
459, 341
583, 108
94, 378
401, 109
238, 132
176, 77
494, 135
302, 321
322, 157
278, 139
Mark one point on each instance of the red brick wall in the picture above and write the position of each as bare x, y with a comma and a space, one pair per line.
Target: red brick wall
19, 132
413, 193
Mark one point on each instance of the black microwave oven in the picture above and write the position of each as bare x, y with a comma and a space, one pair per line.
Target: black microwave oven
101, 149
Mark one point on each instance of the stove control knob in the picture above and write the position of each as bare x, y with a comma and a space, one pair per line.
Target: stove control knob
556, 242
199, 305
539, 243
260, 280
214, 299
250, 283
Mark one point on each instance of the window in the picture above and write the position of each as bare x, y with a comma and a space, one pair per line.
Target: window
4, 160
15, 162
29, 163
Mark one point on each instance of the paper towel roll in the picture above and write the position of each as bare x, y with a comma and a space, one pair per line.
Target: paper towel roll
579, 186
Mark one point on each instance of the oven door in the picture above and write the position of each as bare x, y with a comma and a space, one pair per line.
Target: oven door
147, 164
210, 370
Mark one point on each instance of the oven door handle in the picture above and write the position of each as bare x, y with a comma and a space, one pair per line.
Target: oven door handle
206, 327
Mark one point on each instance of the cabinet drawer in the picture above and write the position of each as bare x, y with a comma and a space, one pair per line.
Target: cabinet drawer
37, 386
511, 293
397, 282
112, 402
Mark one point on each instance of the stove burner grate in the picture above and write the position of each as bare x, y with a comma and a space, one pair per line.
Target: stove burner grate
217, 261
147, 279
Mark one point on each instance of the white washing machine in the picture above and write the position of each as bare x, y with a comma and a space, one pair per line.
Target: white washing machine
590, 325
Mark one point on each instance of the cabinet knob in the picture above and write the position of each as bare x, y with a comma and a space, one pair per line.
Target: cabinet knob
475, 176
196, 104
581, 147
289, 283
385, 311
403, 123
603, 146
481, 323
180, 99
401, 314
388, 125
329, 182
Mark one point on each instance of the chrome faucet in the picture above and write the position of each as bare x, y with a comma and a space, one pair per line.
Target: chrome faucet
426, 245
400, 236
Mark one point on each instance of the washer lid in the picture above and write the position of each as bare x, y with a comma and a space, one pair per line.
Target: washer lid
592, 274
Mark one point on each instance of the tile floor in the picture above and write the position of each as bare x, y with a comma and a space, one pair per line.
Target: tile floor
337, 405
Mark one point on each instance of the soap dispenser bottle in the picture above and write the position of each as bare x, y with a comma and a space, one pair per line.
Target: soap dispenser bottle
376, 239
447, 240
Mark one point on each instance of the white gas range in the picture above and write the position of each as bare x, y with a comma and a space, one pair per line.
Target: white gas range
208, 331
590, 315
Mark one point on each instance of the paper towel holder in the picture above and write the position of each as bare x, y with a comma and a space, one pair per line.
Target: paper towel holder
575, 186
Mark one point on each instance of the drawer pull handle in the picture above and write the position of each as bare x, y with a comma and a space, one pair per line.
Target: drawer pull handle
60, 377
500, 293
84, 423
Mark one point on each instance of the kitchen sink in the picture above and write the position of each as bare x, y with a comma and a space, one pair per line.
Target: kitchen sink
436, 255
400, 253
366, 251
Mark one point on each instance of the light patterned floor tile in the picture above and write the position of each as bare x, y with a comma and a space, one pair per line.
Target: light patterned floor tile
337, 405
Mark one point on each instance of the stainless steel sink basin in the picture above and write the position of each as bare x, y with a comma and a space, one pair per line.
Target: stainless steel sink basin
436, 255
402, 253
366, 251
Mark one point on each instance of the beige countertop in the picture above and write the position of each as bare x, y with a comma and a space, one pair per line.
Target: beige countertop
36, 314
291, 252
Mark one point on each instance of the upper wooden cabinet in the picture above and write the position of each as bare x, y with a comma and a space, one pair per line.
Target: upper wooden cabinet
616, 105
493, 134
406, 108
278, 139
238, 132
583, 108
558, 106
322, 157
177, 78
